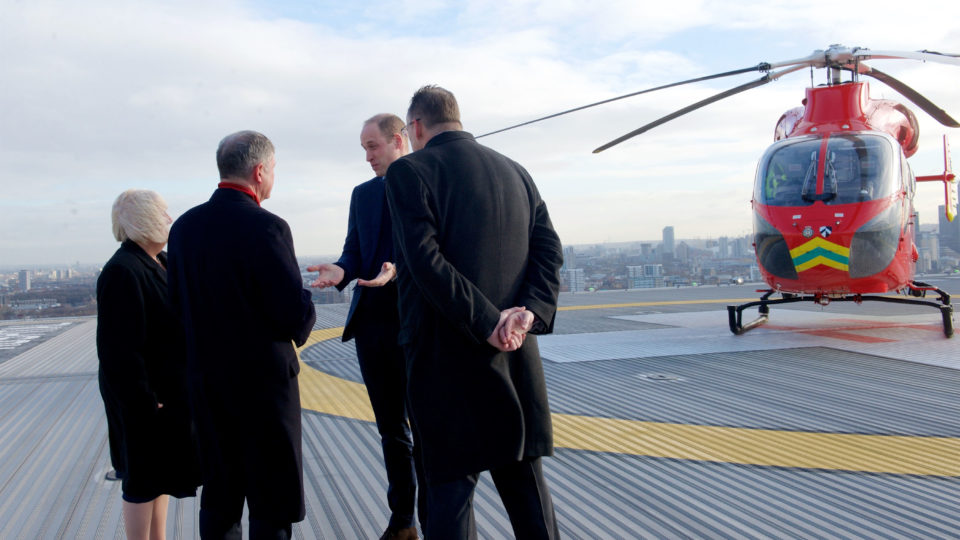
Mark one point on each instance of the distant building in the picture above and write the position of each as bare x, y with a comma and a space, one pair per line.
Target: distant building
645, 277
653, 270
949, 231
569, 258
668, 247
741, 246
24, 280
929, 248
576, 280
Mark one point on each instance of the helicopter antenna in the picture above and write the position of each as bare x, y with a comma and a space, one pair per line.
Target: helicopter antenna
763, 66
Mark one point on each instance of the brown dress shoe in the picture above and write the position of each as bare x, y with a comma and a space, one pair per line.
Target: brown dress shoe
409, 533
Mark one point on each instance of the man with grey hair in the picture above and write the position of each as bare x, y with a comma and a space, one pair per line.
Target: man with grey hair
373, 320
235, 282
478, 268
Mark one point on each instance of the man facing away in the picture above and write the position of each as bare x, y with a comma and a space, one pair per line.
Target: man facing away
234, 280
373, 319
478, 266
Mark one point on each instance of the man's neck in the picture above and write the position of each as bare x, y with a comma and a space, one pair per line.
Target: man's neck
241, 186
441, 128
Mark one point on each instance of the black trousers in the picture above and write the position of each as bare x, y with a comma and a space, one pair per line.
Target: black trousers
215, 526
523, 491
383, 368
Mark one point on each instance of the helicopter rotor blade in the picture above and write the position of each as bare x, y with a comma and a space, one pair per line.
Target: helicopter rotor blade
918, 99
759, 67
926, 56
712, 99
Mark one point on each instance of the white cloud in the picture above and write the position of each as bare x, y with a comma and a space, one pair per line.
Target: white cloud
104, 95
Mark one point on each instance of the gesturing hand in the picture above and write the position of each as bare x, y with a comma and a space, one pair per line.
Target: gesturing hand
330, 275
387, 272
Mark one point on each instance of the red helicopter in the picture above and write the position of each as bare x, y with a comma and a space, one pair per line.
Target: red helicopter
833, 196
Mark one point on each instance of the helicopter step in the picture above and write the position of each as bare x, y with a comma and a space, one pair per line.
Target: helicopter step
916, 288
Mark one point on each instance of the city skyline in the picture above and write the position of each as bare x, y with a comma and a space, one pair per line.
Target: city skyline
108, 95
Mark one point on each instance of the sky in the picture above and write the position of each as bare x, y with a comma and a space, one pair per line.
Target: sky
105, 95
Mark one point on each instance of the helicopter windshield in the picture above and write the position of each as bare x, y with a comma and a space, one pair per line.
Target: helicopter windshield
857, 168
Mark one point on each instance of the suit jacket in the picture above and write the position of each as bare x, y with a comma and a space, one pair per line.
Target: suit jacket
142, 364
472, 237
235, 282
368, 245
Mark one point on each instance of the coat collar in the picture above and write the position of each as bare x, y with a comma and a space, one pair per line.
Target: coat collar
227, 194
134, 249
448, 136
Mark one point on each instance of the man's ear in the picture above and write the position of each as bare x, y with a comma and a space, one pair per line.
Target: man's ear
397, 141
258, 172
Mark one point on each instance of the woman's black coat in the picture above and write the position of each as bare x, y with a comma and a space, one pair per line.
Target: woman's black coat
142, 365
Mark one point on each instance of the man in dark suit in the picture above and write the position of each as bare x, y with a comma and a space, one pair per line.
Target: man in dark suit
478, 266
373, 319
234, 281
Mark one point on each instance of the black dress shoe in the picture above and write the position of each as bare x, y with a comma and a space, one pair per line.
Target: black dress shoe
407, 533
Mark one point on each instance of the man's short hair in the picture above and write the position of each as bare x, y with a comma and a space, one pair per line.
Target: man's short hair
138, 215
389, 124
239, 153
434, 105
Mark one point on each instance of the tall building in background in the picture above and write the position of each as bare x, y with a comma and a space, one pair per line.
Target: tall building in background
569, 258
929, 250
24, 280
949, 231
576, 280
668, 247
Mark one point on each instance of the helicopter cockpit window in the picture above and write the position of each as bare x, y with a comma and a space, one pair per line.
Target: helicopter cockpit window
786, 169
860, 165
857, 167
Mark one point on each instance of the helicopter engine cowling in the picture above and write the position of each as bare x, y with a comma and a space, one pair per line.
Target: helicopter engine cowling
897, 120
788, 122
848, 107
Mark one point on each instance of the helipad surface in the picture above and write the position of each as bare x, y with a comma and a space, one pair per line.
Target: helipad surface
834, 423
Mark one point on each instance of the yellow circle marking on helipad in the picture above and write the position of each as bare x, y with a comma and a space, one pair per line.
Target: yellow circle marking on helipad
937, 456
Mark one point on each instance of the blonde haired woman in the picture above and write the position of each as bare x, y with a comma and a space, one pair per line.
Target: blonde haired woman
142, 369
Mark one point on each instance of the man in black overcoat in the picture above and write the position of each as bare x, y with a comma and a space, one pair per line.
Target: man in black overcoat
478, 266
373, 320
235, 282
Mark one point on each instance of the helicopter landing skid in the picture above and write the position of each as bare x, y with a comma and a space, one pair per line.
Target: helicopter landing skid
735, 313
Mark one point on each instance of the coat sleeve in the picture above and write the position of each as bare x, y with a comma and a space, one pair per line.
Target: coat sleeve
415, 232
541, 285
121, 336
351, 257
283, 297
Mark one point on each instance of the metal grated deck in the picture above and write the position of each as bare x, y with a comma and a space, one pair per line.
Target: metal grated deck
606, 363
